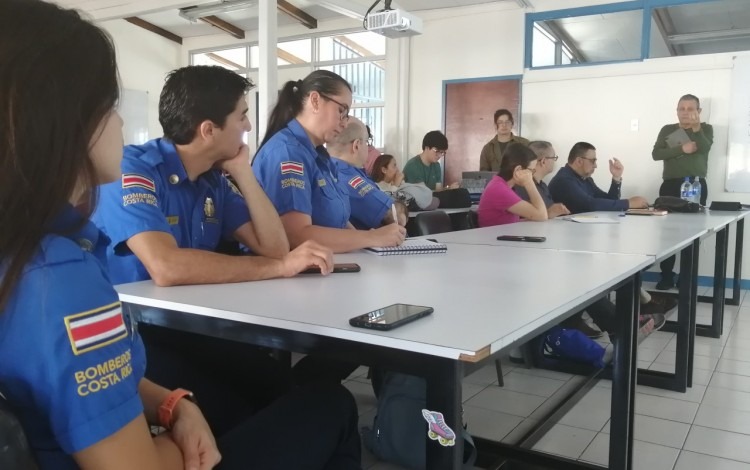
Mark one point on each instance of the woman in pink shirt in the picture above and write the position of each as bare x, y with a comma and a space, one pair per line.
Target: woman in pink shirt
499, 205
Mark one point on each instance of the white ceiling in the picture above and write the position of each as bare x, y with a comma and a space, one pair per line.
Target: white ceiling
164, 13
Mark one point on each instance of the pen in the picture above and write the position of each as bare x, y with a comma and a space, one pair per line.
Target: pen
395, 214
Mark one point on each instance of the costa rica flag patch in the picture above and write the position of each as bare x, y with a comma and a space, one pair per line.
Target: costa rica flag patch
292, 167
356, 182
131, 180
95, 328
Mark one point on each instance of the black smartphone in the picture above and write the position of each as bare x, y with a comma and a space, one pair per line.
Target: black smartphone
521, 238
337, 268
390, 317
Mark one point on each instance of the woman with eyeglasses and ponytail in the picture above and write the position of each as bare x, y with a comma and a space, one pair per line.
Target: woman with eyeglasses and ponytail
297, 173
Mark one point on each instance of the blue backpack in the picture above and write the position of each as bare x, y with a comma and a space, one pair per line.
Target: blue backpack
561, 343
399, 428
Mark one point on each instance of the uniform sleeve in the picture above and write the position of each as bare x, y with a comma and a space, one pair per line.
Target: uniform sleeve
87, 378
236, 212
284, 176
132, 205
369, 204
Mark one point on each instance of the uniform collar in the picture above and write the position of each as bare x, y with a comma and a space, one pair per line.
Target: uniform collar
299, 133
173, 165
87, 236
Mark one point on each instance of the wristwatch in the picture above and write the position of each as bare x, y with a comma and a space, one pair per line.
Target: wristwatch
166, 409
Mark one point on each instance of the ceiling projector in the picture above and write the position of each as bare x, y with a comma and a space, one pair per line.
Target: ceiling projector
393, 23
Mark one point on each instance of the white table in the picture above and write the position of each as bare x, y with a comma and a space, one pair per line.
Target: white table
475, 317
657, 237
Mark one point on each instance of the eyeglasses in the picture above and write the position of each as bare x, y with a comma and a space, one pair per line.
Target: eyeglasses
440, 153
344, 111
504, 123
592, 160
552, 158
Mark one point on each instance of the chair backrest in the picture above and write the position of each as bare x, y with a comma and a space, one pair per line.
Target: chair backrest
472, 219
432, 222
14, 448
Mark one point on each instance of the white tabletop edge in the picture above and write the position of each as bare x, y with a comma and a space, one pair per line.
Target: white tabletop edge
363, 337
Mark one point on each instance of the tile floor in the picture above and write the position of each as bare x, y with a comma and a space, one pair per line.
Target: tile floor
706, 428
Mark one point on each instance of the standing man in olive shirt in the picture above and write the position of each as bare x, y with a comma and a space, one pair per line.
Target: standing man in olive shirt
492, 152
687, 160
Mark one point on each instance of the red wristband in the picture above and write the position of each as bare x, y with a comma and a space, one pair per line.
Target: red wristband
166, 409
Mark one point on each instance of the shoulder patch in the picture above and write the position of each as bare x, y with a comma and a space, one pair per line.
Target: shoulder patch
95, 328
292, 167
356, 182
132, 180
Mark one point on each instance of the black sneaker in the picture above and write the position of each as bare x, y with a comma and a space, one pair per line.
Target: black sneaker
666, 282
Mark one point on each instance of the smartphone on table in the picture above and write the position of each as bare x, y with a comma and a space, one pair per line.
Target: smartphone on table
337, 268
390, 317
521, 238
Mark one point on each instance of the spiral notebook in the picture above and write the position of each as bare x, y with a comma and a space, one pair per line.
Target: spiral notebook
411, 247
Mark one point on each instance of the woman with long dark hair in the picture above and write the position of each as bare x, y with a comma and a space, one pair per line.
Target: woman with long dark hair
297, 173
71, 364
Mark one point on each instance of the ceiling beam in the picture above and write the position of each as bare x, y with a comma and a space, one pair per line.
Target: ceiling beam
289, 57
665, 25
297, 13
707, 36
225, 26
355, 46
345, 8
154, 29
223, 61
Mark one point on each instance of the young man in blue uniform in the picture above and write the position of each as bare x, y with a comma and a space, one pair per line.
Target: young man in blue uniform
167, 215
370, 207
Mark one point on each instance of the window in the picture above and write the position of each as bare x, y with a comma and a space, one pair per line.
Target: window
359, 57
617, 32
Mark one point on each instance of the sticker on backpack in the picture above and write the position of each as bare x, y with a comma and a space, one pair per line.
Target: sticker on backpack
437, 429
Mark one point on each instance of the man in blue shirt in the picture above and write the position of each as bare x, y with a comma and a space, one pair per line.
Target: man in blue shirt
370, 207
574, 187
167, 215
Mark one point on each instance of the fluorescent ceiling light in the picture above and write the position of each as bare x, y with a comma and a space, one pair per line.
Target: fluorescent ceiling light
193, 13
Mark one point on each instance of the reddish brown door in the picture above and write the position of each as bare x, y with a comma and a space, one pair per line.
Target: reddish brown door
469, 107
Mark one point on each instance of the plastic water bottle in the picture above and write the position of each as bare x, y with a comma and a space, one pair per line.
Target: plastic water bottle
697, 190
686, 189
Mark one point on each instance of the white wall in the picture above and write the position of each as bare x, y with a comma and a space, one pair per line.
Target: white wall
143, 59
480, 41
597, 104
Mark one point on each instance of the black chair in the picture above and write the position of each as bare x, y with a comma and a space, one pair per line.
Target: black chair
432, 222
14, 448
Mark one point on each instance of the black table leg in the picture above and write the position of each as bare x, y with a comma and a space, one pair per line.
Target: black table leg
444, 396
624, 377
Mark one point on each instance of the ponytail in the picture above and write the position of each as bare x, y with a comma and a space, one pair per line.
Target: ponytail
292, 98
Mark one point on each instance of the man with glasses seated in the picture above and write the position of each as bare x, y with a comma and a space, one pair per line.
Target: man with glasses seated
574, 187
545, 164
424, 168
